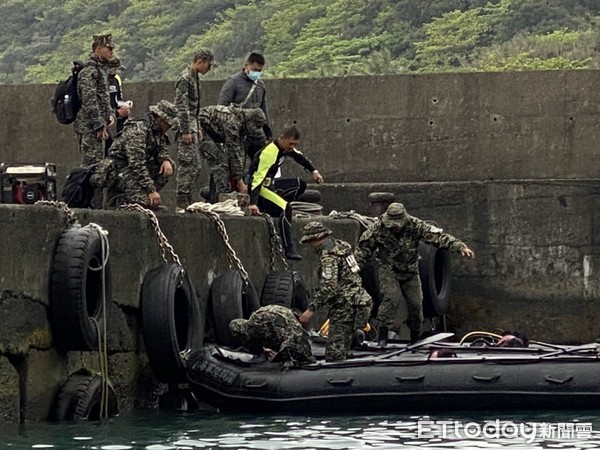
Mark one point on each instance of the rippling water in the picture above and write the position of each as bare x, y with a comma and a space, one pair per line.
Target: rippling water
161, 431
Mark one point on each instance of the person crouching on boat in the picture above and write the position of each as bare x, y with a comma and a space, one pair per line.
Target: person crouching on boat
274, 330
340, 290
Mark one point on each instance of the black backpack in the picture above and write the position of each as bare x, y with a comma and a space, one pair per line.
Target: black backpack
65, 102
77, 191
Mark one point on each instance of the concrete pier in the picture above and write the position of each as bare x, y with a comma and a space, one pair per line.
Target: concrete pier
506, 162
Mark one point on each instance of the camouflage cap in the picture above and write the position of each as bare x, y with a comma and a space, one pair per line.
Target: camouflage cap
313, 231
238, 327
167, 111
205, 54
395, 215
114, 63
104, 40
254, 118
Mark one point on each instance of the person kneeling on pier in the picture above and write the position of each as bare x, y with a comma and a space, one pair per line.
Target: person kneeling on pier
274, 330
138, 164
340, 289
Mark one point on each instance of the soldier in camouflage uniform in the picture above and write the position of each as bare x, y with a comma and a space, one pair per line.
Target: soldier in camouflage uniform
138, 164
393, 240
227, 125
95, 115
340, 291
187, 101
274, 330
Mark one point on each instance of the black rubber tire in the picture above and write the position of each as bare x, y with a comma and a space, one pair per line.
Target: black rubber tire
300, 300
285, 288
76, 289
79, 398
381, 197
171, 321
310, 196
436, 275
228, 302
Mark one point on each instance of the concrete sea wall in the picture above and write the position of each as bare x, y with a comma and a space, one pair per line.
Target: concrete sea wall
506, 162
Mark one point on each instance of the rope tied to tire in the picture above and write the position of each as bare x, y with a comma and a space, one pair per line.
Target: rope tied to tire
275, 241
165, 247
208, 210
102, 331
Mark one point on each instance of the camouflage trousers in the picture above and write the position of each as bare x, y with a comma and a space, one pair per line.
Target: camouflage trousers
121, 186
188, 171
91, 148
345, 317
129, 189
217, 160
410, 287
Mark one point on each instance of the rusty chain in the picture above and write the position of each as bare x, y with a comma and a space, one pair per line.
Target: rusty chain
233, 258
163, 243
275, 243
69, 215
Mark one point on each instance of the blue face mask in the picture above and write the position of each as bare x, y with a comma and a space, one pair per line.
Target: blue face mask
254, 75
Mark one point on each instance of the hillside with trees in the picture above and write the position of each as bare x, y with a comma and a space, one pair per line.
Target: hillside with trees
301, 38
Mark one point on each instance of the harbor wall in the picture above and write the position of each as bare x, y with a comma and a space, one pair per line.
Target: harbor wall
506, 162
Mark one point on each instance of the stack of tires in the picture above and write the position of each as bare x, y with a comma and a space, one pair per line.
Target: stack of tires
80, 300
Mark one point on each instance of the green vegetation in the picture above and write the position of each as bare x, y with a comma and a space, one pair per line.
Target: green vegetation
301, 38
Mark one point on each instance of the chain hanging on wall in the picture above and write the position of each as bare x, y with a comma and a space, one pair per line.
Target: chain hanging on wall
275, 241
70, 219
166, 249
205, 208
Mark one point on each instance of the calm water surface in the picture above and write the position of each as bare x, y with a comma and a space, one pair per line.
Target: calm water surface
161, 431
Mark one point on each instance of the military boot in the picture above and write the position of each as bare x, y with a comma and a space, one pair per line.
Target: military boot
383, 336
415, 335
183, 201
358, 338
285, 227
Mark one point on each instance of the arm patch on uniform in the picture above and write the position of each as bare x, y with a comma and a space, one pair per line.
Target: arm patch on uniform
436, 230
327, 272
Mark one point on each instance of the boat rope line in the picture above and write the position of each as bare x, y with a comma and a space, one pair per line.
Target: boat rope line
234, 260
166, 249
102, 333
364, 221
478, 334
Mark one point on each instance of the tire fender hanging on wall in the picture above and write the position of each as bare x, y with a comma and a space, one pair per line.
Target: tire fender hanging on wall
285, 288
228, 302
76, 302
172, 321
80, 398
435, 273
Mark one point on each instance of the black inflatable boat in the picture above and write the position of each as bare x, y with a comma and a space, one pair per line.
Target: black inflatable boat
426, 376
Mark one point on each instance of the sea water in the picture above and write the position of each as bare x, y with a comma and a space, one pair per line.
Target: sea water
210, 430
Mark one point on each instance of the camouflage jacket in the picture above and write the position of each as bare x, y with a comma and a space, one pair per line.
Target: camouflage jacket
140, 149
339, 277
187, 101
399, 251
225, 127
92, 90
276, 327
